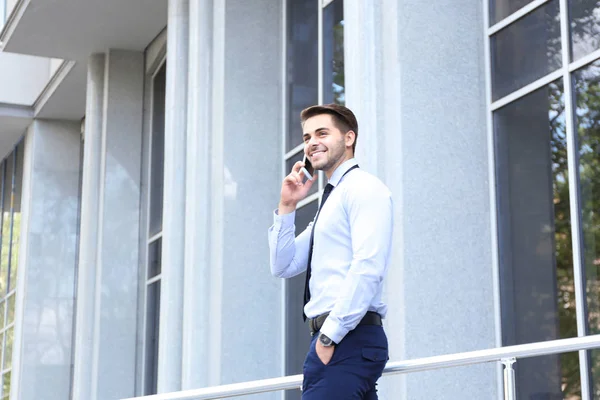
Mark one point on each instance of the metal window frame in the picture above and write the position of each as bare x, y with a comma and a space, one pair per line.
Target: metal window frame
153, 67
517, 15
10, 292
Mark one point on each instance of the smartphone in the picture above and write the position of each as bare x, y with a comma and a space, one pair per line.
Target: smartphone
308, 169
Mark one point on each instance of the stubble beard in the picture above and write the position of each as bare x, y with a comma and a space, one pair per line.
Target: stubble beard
337, 154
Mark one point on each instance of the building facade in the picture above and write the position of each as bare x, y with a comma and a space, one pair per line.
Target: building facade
143, 144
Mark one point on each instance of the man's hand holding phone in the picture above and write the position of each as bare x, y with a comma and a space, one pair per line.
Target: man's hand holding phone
294, 188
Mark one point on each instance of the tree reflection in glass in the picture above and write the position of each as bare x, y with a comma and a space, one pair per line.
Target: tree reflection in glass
536, 275
334, 86
584, 18
587, 101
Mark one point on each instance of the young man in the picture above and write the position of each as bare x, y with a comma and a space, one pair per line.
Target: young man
345, 252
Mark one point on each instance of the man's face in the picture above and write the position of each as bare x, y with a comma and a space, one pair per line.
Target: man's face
324, 143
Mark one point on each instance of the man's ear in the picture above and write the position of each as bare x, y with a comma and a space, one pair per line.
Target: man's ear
350, 138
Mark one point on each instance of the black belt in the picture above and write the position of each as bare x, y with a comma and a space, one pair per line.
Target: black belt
370, 318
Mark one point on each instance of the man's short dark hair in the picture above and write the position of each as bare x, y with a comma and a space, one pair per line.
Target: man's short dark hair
343, 118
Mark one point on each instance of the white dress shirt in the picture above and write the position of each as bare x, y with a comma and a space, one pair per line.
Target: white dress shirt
351, 250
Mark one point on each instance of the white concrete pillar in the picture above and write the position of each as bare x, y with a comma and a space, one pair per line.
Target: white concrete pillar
247, 151
117, 263
363, 64
88, 234
42, 346
171, 302
199, 276
414, 76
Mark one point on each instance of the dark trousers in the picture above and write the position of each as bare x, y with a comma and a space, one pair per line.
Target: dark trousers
352, 373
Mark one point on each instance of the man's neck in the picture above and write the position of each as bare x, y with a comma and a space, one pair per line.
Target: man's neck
329, 172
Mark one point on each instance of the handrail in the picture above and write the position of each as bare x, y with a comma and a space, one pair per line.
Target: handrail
505, 354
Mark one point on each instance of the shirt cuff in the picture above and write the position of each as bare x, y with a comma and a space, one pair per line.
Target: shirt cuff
333, 330
285, 220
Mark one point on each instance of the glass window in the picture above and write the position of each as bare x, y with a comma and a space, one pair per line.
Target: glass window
157, 152
8, 346
587, 103
3, 15
536, 260
585, 27
297, 334
500, 9
333, 54
6, 386
526, 50
154, 244
11, 310
302, 65
16, 219
154, 258
152, 332
7, 205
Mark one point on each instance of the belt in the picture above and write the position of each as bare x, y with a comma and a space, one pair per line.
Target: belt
370, 318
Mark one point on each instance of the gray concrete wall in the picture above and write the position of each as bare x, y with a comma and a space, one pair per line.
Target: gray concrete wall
444, 211
119, 229
415, 76
47, 264
251, 299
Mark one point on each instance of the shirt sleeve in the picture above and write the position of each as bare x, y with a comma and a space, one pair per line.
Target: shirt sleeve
288, 254
370, 215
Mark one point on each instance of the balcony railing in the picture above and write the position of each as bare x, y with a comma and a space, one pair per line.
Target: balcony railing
506, 355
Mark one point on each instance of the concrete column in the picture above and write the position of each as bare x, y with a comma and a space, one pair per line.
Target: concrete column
247, 182
171, 302
363, 67
198, 238
42, 346
88, 234
415, 77
117, 264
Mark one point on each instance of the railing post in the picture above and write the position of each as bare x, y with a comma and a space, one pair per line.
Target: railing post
510, 392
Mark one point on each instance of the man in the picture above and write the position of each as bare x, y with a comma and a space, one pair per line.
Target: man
345, 252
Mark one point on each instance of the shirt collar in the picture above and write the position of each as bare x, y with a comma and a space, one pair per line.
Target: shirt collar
341, 170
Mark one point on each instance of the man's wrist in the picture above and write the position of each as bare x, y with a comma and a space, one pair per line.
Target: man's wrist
286, 208
326, 340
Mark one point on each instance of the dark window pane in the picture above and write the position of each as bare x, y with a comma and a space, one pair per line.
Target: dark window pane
154, 258
500, 9
5, 220
152, 331
11, 309
526, 50
302, 63
6, 385
297, 335
8, 347
157, 152
290, 163
2, 303
334, 90
6, 224
16, 220
536, 260
585, 27
587, 101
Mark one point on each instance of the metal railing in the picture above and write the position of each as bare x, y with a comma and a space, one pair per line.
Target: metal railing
506, 355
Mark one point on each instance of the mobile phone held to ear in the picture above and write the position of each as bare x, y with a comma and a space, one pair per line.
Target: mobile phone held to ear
308, 169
